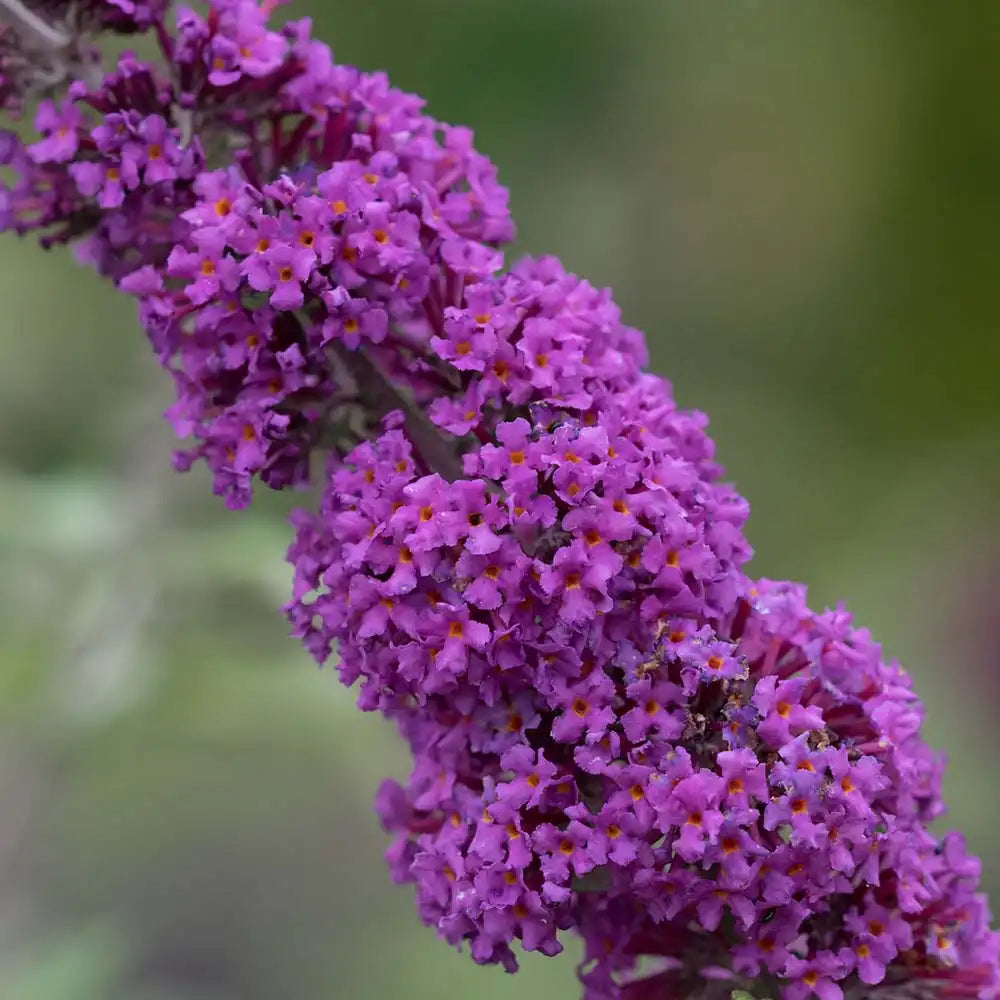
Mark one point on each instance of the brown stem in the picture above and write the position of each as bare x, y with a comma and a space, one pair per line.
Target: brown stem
32, 29
383, 397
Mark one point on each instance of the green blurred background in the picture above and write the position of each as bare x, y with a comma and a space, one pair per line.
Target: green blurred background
798, 202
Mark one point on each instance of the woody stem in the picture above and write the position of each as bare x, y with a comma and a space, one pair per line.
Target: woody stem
32, 29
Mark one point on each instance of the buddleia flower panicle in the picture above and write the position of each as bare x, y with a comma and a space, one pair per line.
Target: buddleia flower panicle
523, 554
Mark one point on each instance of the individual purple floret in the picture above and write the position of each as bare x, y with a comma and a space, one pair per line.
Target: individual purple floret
523, 553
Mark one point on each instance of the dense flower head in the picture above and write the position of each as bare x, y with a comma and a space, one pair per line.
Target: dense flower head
345, 209
614, 731
523, 554
576, 529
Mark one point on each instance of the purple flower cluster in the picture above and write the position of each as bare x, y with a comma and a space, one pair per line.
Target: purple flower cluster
249, 287
794, 812
614, 731
523, 551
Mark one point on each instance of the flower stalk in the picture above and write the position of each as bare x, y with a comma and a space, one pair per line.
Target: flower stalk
33, 31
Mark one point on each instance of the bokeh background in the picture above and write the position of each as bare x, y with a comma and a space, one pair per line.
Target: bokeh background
798, 202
